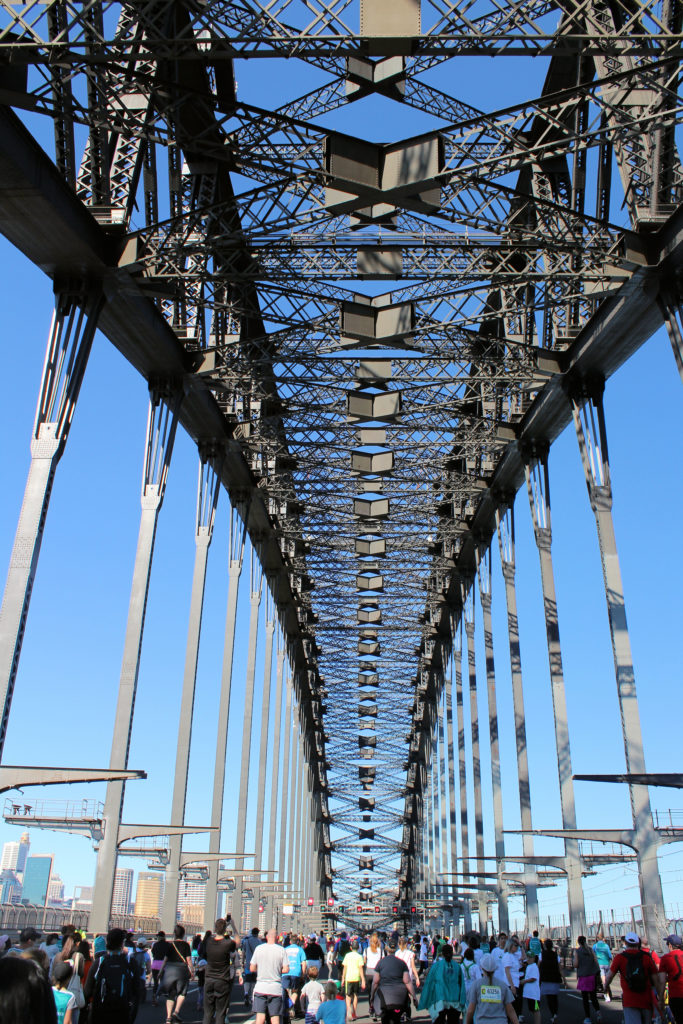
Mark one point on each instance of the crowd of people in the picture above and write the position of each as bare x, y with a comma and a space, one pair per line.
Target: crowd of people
65, 979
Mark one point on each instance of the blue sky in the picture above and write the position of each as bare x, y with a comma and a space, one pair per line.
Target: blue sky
66, 692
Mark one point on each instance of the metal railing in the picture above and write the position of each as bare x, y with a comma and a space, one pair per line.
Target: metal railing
14, 917
53, 810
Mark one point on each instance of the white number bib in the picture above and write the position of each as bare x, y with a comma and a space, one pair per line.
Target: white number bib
490, 994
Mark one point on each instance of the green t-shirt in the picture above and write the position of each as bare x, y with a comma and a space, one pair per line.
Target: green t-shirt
353, 962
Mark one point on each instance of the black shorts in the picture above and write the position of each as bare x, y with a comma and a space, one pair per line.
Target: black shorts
352, 988
174, 981
532, 1005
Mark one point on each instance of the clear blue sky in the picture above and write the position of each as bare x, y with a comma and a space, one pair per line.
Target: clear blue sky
66, 692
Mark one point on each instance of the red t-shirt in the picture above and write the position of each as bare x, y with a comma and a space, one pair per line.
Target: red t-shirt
639, 1000
672, 964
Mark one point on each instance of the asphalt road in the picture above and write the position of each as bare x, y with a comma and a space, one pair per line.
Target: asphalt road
571, 1010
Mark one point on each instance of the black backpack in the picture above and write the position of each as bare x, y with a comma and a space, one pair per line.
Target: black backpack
344, 948
115, 989
636, 977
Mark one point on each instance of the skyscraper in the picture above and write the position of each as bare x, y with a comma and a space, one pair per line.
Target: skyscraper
55, 891
15, 855
37, 879
10, 886
123, 891
149, 894
191, 899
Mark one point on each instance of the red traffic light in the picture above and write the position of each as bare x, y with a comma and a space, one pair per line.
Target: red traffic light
413, 910
394, 910
330, 901
359, 910
378, 910
261, 908
311, 901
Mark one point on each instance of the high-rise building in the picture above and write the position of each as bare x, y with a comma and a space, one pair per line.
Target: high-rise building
55, 892
149, 894
123, 891
10, 887
37, 879
82, 899
191, 899
15, 855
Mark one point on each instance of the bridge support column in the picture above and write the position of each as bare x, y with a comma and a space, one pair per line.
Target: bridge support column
462, 762
671, 312
263, 747
443, 821
161, 429
484, 573
238, 532
468, 611
592, 439
285, 838
68, 347
255, 605
207, 499
453, 831
505, 523
275, 775
538, 487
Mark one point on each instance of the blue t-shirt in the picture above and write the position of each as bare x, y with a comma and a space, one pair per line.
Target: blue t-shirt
332, 1011
296, 957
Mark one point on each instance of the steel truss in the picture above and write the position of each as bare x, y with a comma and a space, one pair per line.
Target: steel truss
368, 332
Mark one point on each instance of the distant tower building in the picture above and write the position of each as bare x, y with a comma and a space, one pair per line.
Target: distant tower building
55, 892
123, 891
10, 887
37, 879
15, 855
149, 894
82, 897
191, 899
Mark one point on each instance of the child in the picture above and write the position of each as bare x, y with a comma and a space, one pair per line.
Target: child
532, 988
312, 995
333, 1009
65, 1001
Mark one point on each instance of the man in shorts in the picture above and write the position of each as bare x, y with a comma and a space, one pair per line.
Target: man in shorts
639, 979
268, 962
353, 978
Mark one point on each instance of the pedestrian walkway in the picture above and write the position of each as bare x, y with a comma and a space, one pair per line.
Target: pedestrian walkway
571, 1010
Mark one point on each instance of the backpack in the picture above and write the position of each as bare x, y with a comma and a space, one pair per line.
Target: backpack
115, 987
344, 948
635, 975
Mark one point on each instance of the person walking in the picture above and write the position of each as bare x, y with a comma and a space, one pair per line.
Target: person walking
471, 972
491, 999
314, 955
371, 957
551, 978
353, 978
587, 967
268, 962
406, 954
219, 952
531, 989
331, 1010
392, 984
511, 966
639, 978
157, 954
603, 955
671, 974
176, 973
249, 944
444, 995
65, 1001
312, 994
113, 984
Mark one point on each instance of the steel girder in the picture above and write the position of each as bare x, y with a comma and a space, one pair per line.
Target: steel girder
369, 434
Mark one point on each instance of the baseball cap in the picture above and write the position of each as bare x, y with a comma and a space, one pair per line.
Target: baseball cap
674, 940
29, 935
487, 963
62, 971
631, 939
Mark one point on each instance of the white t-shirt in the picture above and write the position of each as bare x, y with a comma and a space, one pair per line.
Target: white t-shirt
510, 960
372, 959
408, 958
471, 972
499, 974
270, 962
314, 993
532, 988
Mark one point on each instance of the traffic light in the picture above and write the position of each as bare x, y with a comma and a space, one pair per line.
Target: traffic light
413, 910
310, 901
359, 910
394, 910
378, 910
261, 908
330, 901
